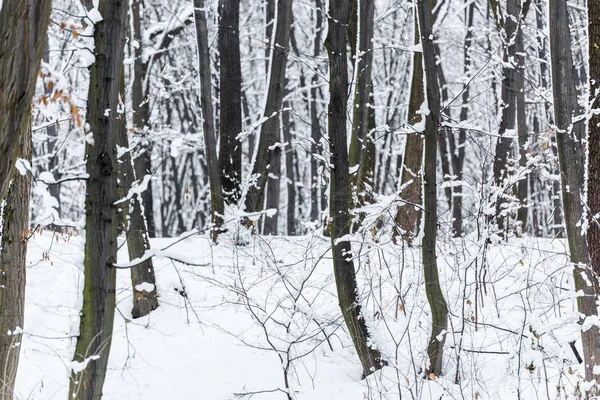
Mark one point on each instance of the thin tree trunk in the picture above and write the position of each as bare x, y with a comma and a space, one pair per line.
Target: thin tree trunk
230, 148
13, 254
23, 26
406, 216
143, 281
345, 275
290, 153
508, 118
141, 113
569, 135
208, 123
315, 123
458, 152
522, 185
269, 133
96, 324
435, 296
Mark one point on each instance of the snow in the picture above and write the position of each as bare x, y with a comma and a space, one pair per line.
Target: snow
209, 334
144, 287
23, 166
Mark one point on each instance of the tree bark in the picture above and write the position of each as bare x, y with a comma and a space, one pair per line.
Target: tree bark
435, 296
141, 113
269, 133
230, 125
23, 26
569, 135
96, 324
345, 275
593, 233
406, 215
290, 153
13, 254
315, 123
208, 123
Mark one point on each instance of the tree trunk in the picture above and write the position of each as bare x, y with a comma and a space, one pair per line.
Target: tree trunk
570, 153
507, 129
96, 324
208, 124
522, 185
435, 296
315, 123
458, 151
273, 192
345, 275
269, 133
290, 153
23, 26
593, 233
406, 216
141, 113
13, 254
143, 281
230, 148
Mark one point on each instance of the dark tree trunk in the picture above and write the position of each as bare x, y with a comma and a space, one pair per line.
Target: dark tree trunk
406, 216
510, 85
208, 124
273, 192
143, 281
363, 118
230, 125
571, 157
345, 275
269, 133
96, 325
315, 123
593, 233
13, 256
458, 151
141, 113
522, 185
23, 26
435, 296
290, 159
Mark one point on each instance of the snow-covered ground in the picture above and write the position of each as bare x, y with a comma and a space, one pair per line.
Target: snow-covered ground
246, 319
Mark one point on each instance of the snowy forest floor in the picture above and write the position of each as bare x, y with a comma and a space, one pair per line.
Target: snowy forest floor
246, 319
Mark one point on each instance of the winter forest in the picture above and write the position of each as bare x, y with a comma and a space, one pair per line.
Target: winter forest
299, 199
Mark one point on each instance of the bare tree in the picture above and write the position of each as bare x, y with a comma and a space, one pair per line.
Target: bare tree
569, 135
23, 26
13, 253
345, 275
97, 315
435, 296
208, 124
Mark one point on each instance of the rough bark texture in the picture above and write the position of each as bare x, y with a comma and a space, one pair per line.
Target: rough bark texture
345, 275
362, 148
290, 160
230, 125
23, 26
522, 134
315, 123
406, 216
458, 151
13, 252
141, 113
593, 233
136, 233
508, 116
435, 297
570, 153
97, 315
269, 133
273, 192
208, 124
